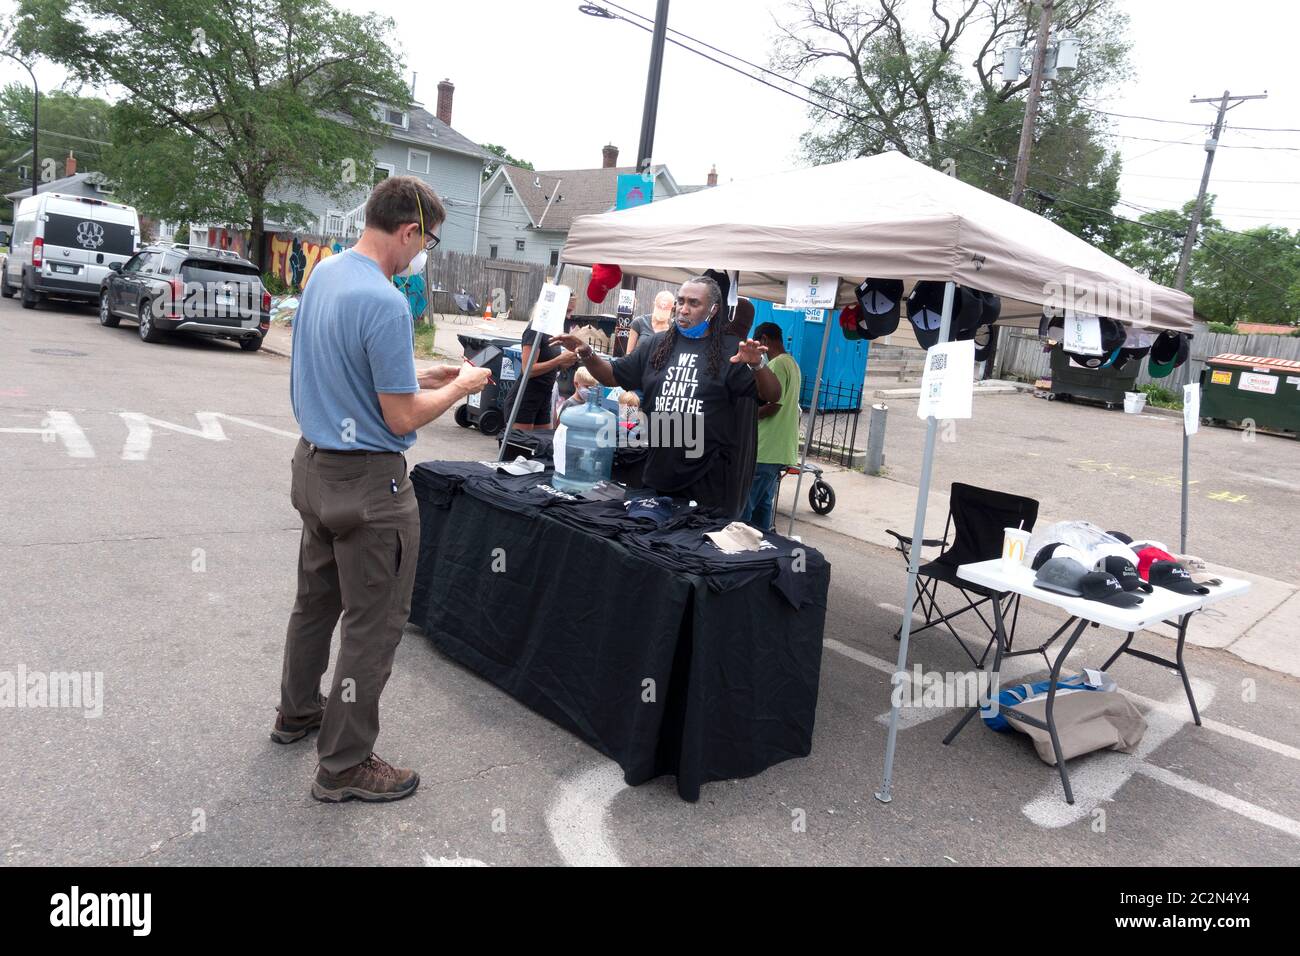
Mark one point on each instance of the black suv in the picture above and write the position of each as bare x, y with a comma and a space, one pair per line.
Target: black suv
171, 287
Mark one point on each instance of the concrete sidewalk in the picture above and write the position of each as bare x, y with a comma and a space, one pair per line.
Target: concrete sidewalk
1259, 627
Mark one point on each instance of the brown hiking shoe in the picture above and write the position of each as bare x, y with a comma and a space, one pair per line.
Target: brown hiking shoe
373, 779
287, 731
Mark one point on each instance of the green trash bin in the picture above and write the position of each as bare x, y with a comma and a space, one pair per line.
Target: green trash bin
1238, 388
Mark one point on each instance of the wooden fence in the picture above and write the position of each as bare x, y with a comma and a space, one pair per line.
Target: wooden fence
520, 284
1020, 353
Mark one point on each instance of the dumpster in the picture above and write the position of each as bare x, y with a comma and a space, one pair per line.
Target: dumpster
486, 411
1240, 388
1094, 384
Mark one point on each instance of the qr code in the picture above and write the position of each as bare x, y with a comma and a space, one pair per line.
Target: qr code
938, 362
548, 296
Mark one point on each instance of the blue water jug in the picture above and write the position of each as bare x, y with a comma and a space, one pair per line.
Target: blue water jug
590, 435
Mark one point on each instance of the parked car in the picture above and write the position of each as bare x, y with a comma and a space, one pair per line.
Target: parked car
64, 246
175, 287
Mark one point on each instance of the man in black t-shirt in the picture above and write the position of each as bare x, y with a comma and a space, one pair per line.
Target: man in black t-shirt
691, 376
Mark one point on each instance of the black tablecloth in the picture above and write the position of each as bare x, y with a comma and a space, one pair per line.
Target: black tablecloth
708, 676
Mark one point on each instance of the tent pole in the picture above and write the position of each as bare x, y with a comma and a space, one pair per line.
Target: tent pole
913, 564
523, 380
812, 420
1183, 535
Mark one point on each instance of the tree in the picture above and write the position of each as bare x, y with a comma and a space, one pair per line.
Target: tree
229, 108
1250, 276
506, 158
1154, 247
69, 122
938, 96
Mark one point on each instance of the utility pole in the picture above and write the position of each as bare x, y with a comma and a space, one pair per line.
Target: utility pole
650, 109
1226, 102
1026, 140
1031, 104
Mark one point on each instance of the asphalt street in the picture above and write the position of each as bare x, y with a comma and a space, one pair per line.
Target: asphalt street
146, 534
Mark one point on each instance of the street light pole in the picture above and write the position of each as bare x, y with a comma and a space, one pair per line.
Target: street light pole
36, 112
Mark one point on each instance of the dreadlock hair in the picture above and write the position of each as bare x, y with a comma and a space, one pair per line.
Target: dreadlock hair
716, 325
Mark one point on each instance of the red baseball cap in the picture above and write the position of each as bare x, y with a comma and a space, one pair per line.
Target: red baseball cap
1147, 556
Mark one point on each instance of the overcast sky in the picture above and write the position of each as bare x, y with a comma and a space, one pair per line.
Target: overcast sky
554, 86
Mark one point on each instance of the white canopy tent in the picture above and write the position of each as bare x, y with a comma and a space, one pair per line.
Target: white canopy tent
886, 217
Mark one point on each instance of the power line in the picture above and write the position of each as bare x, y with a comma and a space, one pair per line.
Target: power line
1154, 119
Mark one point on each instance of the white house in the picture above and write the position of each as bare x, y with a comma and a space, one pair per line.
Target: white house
525, 214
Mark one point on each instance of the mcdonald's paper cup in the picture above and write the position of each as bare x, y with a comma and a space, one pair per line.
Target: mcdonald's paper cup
1015, 546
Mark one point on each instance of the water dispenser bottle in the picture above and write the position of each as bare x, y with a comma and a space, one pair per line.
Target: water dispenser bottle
590, 435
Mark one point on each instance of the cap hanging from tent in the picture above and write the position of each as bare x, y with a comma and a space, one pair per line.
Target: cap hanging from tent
878, 307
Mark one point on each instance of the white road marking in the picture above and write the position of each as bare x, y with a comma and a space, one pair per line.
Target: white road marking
1225, 800
139, 436
451, 861
1100, 777
62, 427
576, 820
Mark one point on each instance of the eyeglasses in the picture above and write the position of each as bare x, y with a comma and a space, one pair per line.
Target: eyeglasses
431, 243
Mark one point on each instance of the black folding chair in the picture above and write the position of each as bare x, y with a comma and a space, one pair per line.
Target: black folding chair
977, 518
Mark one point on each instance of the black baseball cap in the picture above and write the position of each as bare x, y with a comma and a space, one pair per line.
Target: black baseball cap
1062, 575
1121, 536
1174, 577
1053, 550
1103, 587
1123, 571
1169, 351
925, 312
880, 302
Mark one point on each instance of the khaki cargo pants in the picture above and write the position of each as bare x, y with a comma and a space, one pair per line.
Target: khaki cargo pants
357, 558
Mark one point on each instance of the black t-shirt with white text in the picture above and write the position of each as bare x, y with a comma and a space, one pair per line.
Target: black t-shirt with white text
684, 389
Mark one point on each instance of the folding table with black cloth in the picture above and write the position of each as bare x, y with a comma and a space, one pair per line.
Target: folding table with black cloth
634, 636
977, 519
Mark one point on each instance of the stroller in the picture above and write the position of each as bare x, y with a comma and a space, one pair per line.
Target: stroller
821, 496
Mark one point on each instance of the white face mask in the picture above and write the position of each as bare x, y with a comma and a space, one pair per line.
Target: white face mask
416, 265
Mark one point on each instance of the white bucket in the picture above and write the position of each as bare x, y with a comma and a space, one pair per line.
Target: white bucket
1134, 402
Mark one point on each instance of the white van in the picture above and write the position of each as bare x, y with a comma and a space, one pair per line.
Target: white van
63, 246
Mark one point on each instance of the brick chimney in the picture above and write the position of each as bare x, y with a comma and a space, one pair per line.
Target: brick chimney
609, 157
70, 165
445, 90
713, 175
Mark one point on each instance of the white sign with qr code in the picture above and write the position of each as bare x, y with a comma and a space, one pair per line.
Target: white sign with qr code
948, 383
551, 306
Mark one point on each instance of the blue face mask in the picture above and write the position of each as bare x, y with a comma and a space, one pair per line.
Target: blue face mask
698, 332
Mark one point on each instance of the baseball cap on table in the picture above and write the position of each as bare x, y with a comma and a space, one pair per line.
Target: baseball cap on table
657, 510
1124, 572
1103, 587
736, 537
1148, 556
1174, 577
1062, 575
879, 306
1198, 570
1058, 549
1120, 536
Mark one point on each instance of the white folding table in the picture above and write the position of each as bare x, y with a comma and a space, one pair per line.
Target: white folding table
1161, 606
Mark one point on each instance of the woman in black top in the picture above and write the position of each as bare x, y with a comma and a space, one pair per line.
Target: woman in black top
535, 409
692, 376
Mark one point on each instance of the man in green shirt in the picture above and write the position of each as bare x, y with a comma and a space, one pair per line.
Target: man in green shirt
778, 429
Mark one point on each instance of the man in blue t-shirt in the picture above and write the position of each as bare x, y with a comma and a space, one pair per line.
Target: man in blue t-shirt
359, 401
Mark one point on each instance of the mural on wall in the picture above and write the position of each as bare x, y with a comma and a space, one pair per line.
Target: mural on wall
413, 288
235, 240
292, 257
